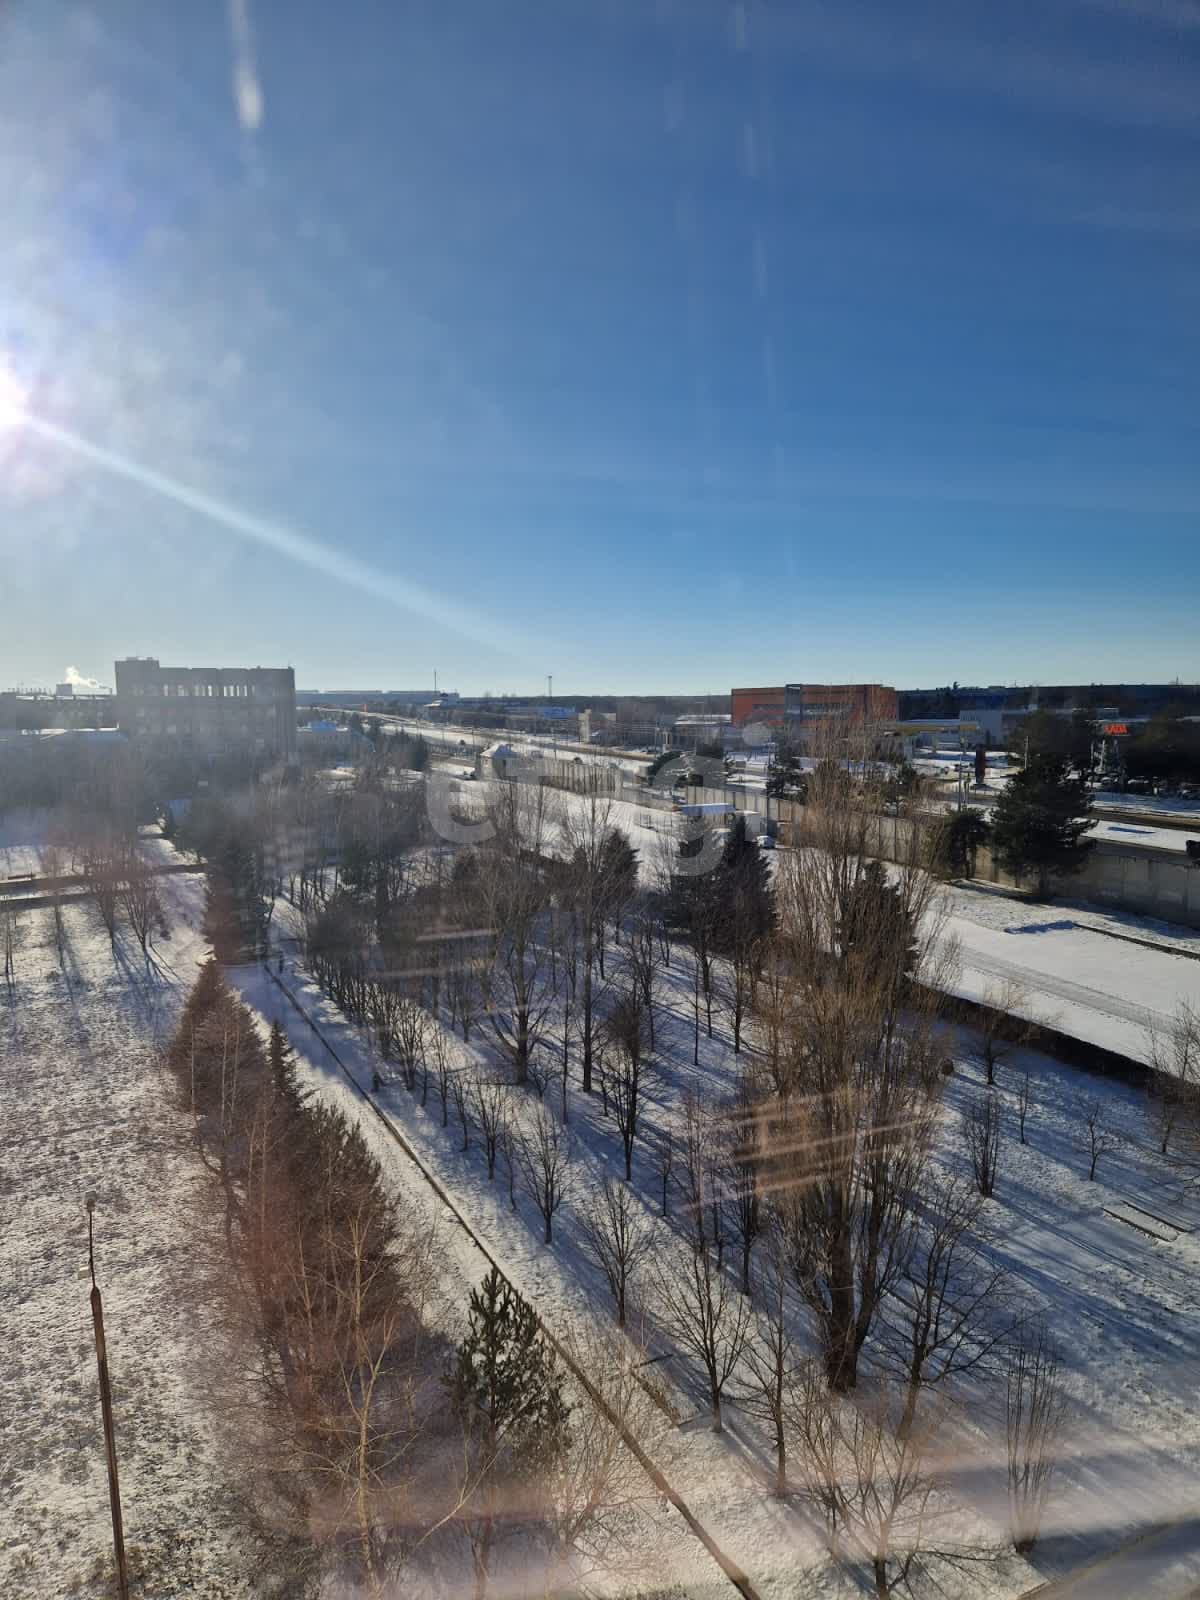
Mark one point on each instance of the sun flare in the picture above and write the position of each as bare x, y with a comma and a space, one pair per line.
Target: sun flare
14, 398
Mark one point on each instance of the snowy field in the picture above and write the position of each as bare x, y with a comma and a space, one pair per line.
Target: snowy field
1112, 1262
87, 1111
1080, 970
1117, 1297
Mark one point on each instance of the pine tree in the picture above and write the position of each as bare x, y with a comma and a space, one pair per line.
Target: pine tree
504, 1376
282, 1062
957, 844
786, 779
1040, 821
876, 930
743, 890
618, 873
234, 913
506, 1391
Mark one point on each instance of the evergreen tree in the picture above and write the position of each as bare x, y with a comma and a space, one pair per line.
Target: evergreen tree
235, 919
786, 779
900, 784
507, 1393
876, 931
282, 1062
618, 874
745, 900
505, 1377
1040, 821
958, 842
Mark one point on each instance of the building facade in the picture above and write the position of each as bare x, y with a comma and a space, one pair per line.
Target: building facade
757, 705
791, 706
208, 709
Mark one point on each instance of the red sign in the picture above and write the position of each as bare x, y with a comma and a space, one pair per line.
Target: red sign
1113, 729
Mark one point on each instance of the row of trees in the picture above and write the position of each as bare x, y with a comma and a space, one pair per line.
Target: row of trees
376, 1447
822, 1165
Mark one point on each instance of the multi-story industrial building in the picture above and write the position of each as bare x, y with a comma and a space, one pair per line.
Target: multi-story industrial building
209, 709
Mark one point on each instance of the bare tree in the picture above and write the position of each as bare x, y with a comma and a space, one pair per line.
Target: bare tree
463, 991
778, 1027
856, 1050
625, 1069
102, 858
1174, 1057
53, 868
771, 1355
410, 1027
869, 1481
460, 1093
664, 1164
515, 896
509, 1143
491, 1113
889, 1486
443, 1066
1000, 1027
740, 1171
594, 1488
1024, 1099
617, 1236
8, 942
697, 1174
707, 1315
544, 1158
586, 830
946, 1317
1099, 1135
982, 1126
1035, 1412
645, 959
139, 891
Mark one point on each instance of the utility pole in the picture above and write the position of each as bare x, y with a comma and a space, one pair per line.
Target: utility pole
110, 1441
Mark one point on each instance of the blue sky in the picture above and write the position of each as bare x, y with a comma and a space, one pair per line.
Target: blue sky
650, 343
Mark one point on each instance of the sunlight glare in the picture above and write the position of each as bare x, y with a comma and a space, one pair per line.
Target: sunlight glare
13, 398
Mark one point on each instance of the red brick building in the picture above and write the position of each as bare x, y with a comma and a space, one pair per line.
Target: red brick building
757, 705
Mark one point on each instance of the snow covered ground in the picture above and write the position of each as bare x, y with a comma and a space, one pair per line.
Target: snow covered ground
87, 1111
1117, 1298
1112, 1262
22, 839
1141, 833
1078, 975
